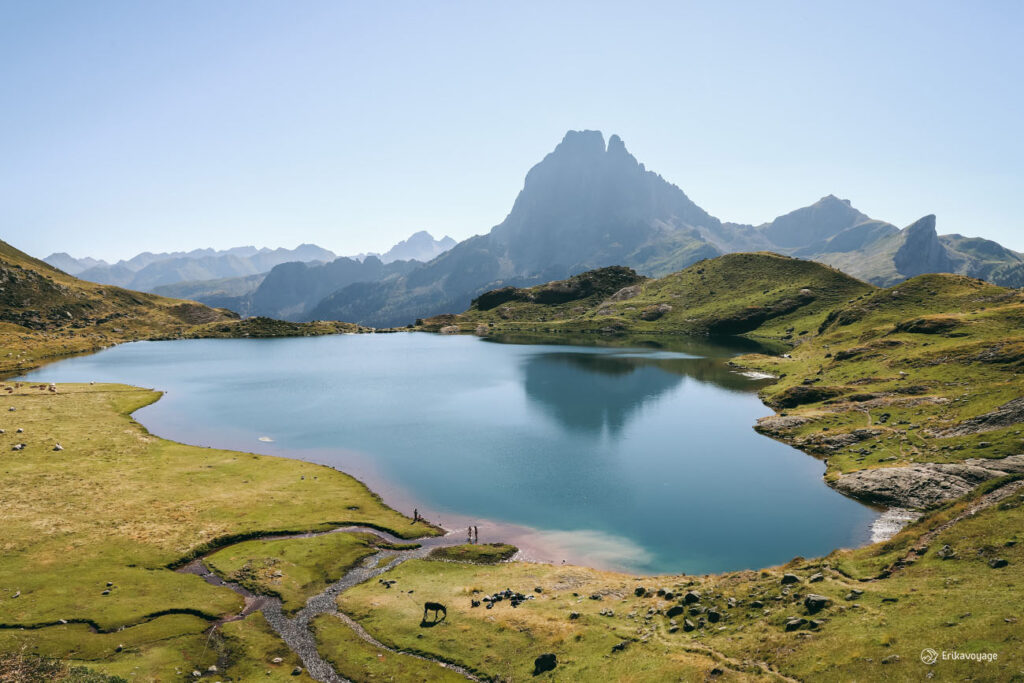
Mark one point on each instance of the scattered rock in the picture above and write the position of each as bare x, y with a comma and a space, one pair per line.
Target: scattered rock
790, 578
691, 597
815, 603
674, 611
620, 647
297, 671
713, 616
277, 660
574, 615
997, 563
946, 553
794, 624
640, 591
688, 625
654, 312
815, 578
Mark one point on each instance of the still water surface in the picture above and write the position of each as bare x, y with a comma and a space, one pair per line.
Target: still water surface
642, 459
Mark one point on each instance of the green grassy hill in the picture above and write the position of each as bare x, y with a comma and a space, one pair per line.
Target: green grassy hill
757, 294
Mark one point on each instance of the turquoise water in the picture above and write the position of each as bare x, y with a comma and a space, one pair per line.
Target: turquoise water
637, 458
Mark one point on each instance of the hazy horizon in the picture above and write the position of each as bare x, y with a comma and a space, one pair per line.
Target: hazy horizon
176, 126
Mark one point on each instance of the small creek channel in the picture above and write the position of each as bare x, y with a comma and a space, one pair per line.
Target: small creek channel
296, 631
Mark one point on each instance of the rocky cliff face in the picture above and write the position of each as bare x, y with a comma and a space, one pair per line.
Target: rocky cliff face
922, 252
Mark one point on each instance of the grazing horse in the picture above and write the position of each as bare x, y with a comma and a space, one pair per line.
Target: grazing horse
435, 607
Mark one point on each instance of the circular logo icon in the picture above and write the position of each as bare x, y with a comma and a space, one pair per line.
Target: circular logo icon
929, 656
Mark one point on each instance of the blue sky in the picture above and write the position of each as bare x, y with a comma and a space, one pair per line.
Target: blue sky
131, 126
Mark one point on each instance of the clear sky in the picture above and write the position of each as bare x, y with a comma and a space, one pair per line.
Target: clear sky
166, 125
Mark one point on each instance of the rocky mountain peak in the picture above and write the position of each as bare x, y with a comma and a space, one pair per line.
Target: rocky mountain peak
922, 251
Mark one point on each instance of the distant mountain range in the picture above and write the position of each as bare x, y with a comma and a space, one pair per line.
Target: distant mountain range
421, 246
147, 271
587, 205
231, 278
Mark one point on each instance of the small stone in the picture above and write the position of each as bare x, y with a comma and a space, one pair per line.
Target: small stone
891, 659
997, 563
277, 660
620, 647
714, 616
688, 625
815, 578
691, 597
297, 671
212, 668
790, 578
640, 591
756, 604
794, 624
574, 615
674, 611
119, 648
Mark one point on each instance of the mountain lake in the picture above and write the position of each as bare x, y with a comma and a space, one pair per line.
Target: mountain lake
640, 458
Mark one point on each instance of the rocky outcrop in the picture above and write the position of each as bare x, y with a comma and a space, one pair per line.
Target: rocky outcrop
1005, 415
925, 485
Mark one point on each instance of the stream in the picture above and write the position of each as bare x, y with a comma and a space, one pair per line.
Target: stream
295, 631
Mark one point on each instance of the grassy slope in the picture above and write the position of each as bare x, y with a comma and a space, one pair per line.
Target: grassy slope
119, 505
357, 660
46, 313
764, 295
959, 344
